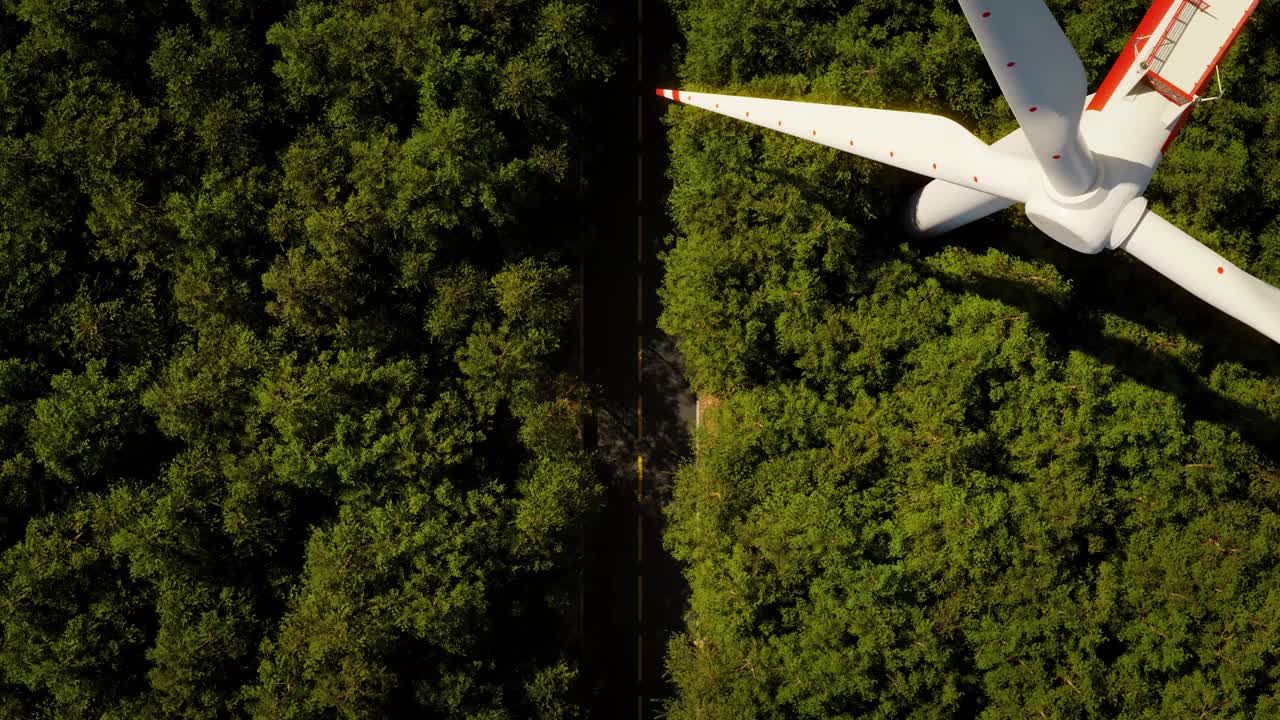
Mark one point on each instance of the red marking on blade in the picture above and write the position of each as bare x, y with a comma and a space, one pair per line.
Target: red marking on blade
850, 143
675, 95
1220, 271
1034, 108
1057, 157
815, 133
748, 113
935, 166
986, 14
890, 153
779, 123
975, 178
1011, 64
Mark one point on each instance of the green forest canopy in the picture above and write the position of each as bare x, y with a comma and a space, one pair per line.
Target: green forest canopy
971, 476
284, 429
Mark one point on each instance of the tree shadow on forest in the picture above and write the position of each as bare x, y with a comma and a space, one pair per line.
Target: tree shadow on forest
1115, 284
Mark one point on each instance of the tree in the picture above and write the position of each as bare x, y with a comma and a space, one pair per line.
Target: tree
283, 310
75, 627
89, 426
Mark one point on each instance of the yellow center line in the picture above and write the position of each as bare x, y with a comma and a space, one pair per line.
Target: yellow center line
639, 362
639, 477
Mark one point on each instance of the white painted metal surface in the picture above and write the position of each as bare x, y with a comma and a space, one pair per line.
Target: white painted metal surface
941, 207
1190, 39
1043, 81
926, 144
1206, 274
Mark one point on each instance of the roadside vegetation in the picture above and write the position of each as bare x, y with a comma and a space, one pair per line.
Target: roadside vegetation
977, 475
284, 430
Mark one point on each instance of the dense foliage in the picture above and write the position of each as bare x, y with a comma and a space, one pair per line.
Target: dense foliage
283, 431
971, 476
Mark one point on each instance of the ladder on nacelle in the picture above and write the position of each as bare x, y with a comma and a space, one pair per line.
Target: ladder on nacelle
1177, 63
1172, 34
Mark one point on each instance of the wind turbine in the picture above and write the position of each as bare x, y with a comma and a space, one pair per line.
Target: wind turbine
1079, 164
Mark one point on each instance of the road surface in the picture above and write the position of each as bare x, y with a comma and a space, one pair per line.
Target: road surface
633, 594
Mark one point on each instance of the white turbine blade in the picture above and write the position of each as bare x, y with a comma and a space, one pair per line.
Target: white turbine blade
926, 144
1043, 81
941, 207
1206, 274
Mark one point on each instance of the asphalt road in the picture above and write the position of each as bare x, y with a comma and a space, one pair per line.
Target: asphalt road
633, 594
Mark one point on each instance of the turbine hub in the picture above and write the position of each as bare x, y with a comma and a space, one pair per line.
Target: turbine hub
1085, 222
